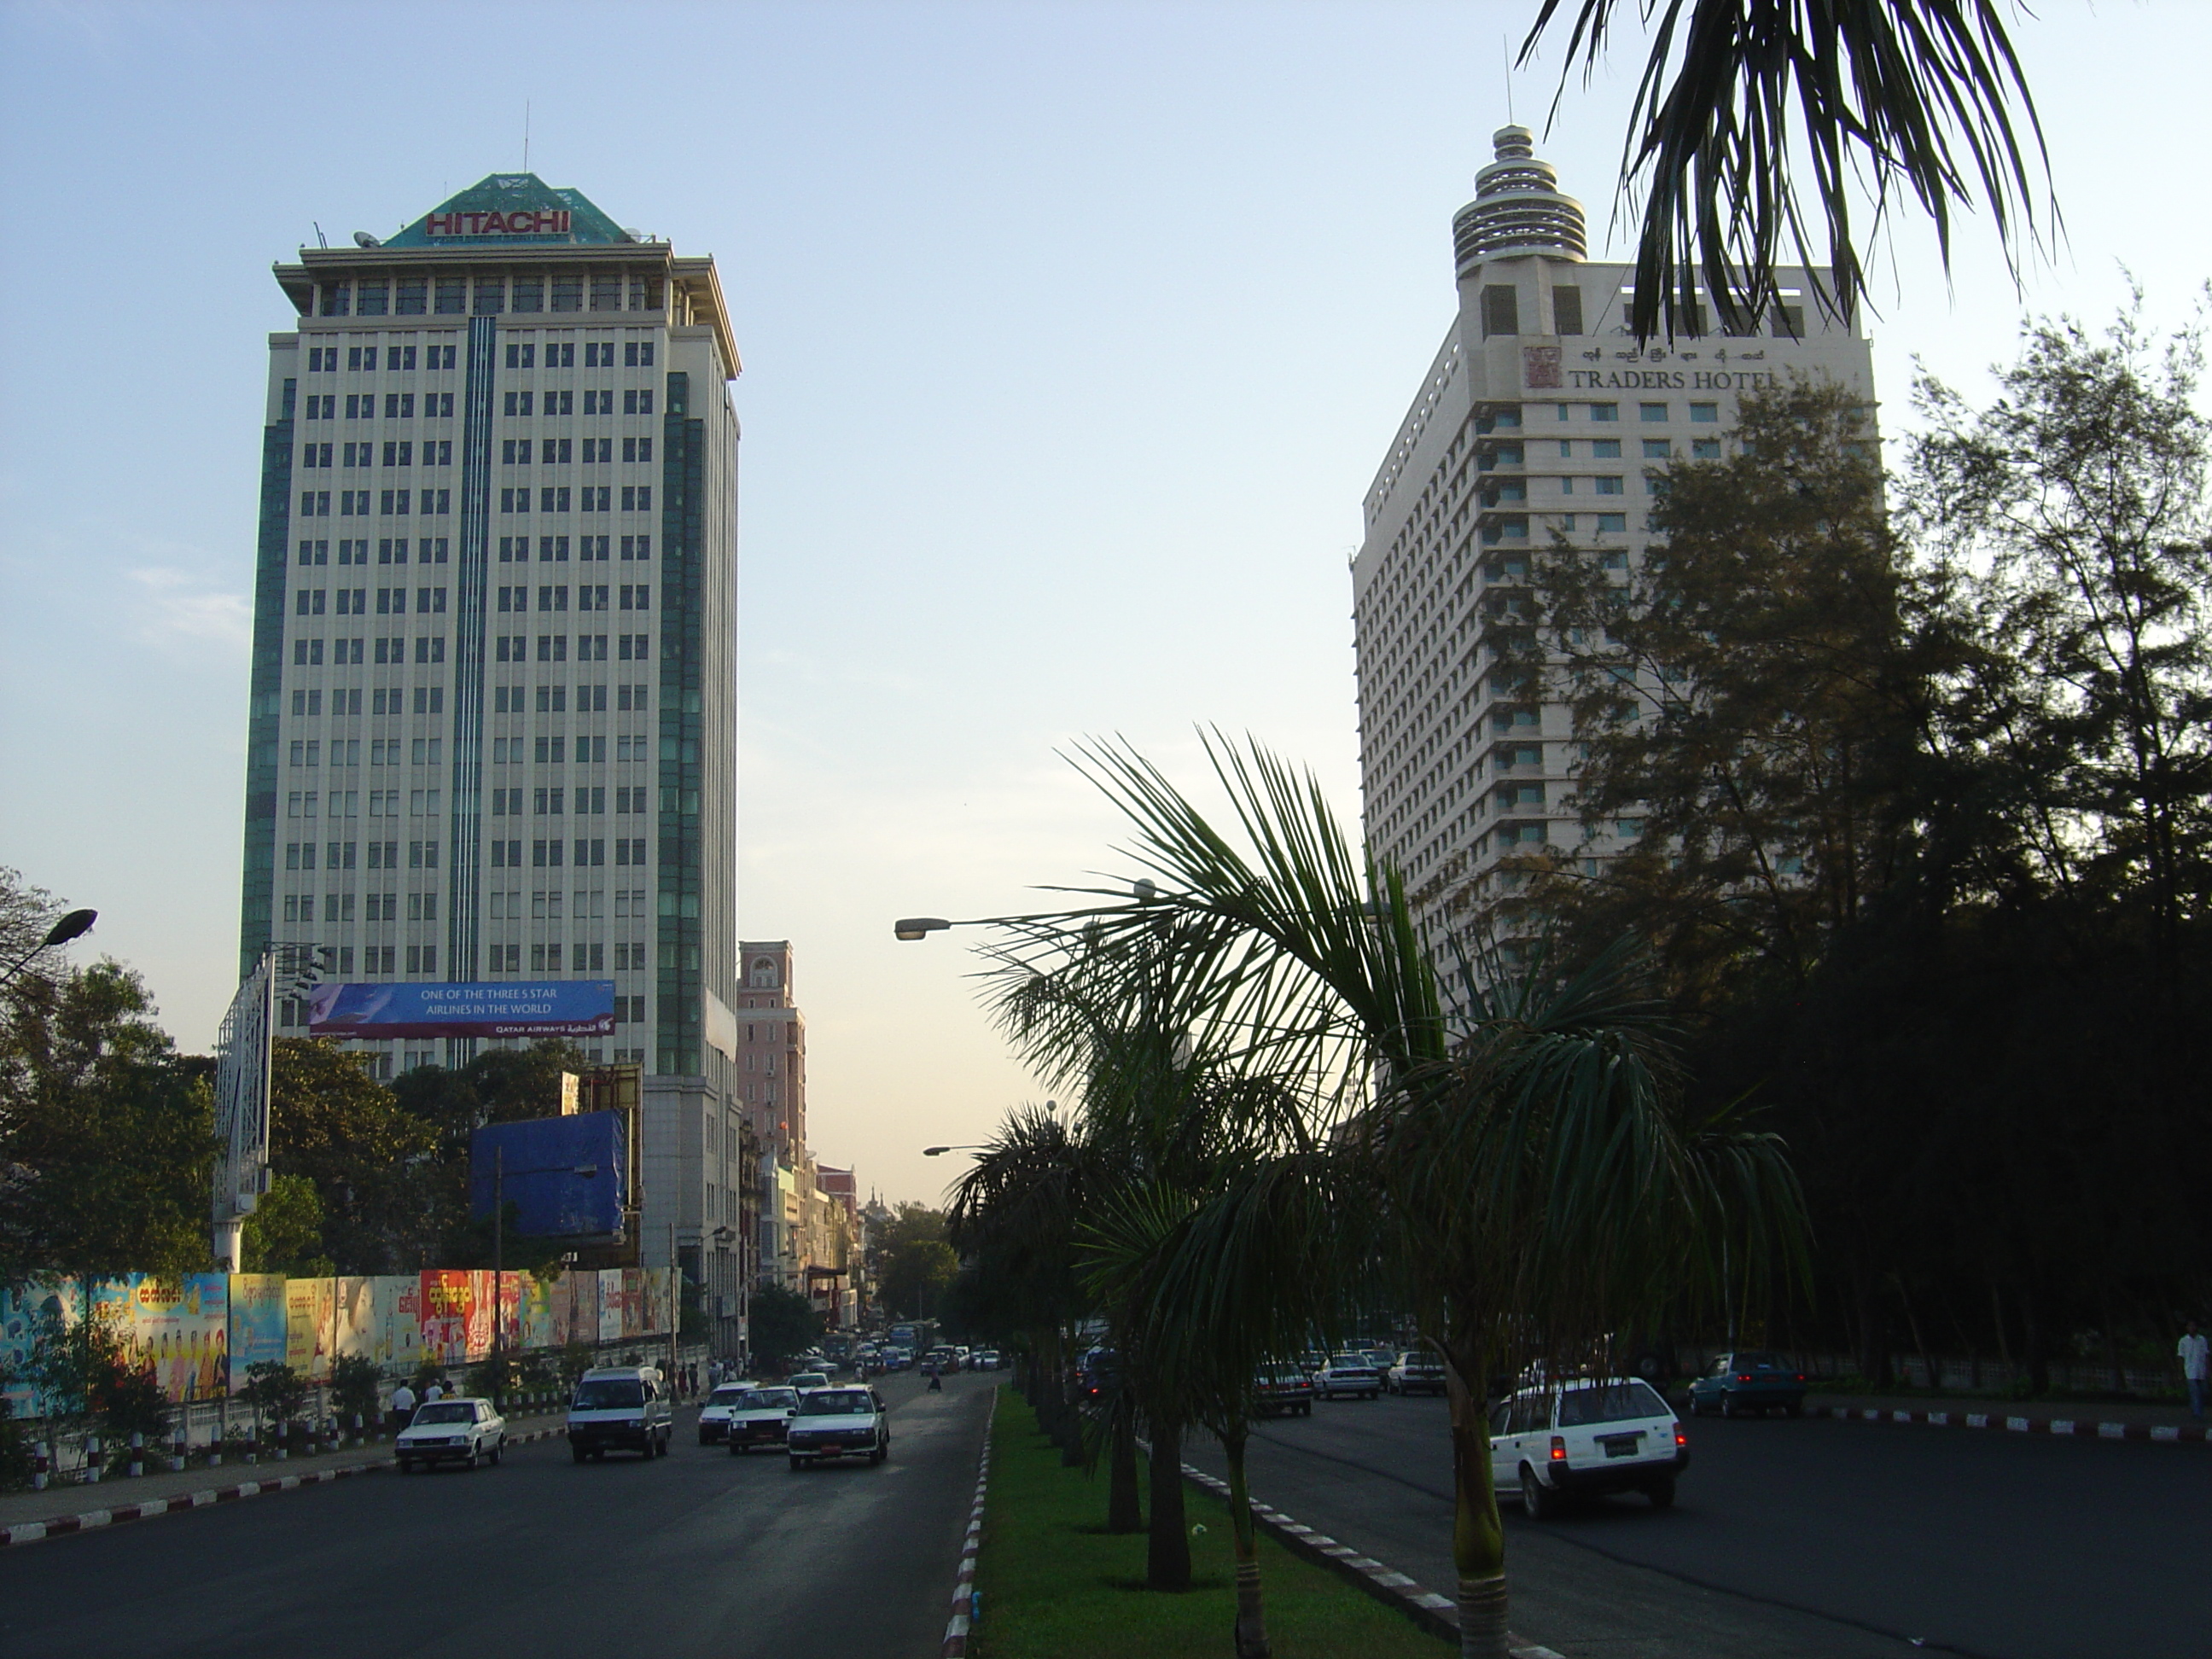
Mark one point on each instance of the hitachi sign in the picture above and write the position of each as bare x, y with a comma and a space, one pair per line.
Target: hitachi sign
540, 222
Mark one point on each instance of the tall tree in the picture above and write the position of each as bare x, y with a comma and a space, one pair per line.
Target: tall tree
367, 1158
1749, 702
107, 1134
2070, 525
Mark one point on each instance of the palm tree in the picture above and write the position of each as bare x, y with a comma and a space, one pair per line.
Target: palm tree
1916, 96
1532, 1179
1132, 1025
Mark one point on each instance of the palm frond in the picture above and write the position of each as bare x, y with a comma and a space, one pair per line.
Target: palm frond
1916, 97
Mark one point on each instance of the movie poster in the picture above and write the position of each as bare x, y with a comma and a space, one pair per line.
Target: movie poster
399, 1321
259, 1324
610, 1304
482, 1301
534, 1314
449, 1299
310, 1310
25, 1310
181, 1327
358, 1336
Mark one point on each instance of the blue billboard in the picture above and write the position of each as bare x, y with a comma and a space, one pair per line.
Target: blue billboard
566, 1177
544, 1007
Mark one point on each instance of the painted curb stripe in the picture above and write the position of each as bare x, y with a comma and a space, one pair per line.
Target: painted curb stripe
2076, 1428
1438, 1614
957, 1626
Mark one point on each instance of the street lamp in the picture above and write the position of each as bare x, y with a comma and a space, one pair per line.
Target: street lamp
939, 1151
914, 927
77, 923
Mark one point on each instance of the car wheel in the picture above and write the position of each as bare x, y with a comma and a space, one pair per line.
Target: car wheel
1661, 1493
703, 1438
499, 1451
406, 1466
797, 1464
577, 1454
1538, 1503
469, 1459
1727, 1404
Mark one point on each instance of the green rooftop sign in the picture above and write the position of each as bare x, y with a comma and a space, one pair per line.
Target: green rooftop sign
511, 207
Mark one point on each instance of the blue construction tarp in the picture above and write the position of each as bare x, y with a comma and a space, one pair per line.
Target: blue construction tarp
539, 1162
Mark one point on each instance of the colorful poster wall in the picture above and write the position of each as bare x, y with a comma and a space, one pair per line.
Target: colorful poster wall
259, 1324
399, 1321
483, 1300
24, 1310
356, 1322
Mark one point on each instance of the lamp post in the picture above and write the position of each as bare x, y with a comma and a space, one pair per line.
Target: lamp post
76, 924
499, 1251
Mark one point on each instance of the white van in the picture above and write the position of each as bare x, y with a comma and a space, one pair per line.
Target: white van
1581, 1437
622, 1409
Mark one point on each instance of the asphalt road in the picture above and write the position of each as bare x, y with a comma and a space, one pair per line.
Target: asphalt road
1797, 1539
697, 1553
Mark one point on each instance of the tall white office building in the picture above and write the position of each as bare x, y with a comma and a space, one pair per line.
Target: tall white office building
1539, 414
493, 723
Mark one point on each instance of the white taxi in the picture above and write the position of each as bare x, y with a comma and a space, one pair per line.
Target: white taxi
467, 1432
1583, 1437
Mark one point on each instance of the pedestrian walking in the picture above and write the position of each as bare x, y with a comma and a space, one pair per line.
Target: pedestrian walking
2195, 1355
435, 1392
403, 1407
936, 1383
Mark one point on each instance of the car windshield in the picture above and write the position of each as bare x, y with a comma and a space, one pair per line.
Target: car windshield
1616, 1402
765, 1400
808, 1379
603, 1394
827, 1404
725, 1396
443, 1412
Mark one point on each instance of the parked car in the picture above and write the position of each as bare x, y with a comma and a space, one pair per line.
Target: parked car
985, 1359
467, 1432
620, 1409
807, 1380
1381, 1358
1314, 1361
1415, 1372
1096, 1372
1751, 1384
1350, 1374
1285, 1390
1583, 1437
760, 1417
714, 1415
840, 1422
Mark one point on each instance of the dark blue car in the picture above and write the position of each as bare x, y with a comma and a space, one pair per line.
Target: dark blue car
1751, 1384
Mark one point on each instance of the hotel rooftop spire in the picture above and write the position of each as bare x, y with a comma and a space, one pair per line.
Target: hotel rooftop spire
1517, 207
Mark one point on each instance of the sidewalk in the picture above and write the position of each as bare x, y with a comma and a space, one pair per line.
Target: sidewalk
63, 1509
2109, 1420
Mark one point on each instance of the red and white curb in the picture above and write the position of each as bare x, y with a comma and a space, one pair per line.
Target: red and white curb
61, 1526
964, 1582
1438, 1614
2078, 1427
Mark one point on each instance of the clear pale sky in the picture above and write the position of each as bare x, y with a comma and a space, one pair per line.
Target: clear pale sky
1073, 335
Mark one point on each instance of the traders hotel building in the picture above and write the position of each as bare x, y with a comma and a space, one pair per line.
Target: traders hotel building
493, 723
1539, 415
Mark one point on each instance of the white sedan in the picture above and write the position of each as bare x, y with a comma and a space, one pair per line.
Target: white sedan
714, 1415
465, 1431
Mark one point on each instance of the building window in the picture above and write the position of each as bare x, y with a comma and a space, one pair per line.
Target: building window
1705, 449
636, 547
521, 357
1788, 322
519, 404
1705, 414
637, 402
553, 499
337, 299
636, 498
1566, 310
1651, 411
1609, 486
637, 449
1657, 449
1604, 449
1605, 411
598, 403
637, 597
597, 498
568, 294
1613, 524
528, 294
634, 649
1501, 309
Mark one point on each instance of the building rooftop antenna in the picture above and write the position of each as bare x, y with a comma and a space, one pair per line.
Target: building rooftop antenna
321, 241
1505, 47
526, 135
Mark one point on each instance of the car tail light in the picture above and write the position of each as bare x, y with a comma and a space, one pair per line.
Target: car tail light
1743, 1376
1558, 1448
1800, 1376
1680, 1439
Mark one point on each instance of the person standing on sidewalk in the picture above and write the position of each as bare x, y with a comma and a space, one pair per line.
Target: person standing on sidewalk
403, 1407
2195, 1355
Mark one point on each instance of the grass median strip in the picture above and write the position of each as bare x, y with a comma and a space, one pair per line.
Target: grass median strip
1056, 1585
